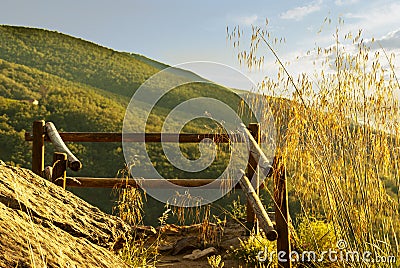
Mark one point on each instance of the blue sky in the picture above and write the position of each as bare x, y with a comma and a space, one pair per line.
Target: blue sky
174, 31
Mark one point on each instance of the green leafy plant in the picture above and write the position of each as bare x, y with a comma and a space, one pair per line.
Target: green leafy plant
316, 235
237, 209
249, 250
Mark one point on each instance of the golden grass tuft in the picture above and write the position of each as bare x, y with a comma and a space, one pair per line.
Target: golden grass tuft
339, 134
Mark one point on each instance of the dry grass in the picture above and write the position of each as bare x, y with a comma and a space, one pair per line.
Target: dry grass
129, 207
338, 134
339, 138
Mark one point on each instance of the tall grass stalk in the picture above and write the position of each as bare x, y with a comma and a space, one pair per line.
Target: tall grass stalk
137, 251
339, 136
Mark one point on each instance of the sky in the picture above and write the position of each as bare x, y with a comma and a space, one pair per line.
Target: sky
175, 32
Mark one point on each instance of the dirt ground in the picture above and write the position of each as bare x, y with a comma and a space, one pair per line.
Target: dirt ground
175, 242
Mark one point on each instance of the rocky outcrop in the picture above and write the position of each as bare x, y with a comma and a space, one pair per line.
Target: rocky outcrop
42, 225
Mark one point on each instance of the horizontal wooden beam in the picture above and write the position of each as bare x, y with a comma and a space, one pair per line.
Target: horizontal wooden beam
89, 182
140, 137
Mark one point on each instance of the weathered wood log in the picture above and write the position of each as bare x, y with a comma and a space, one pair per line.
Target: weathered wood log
59, 145
264, 164
263, 219
185, 244
151, 183
59, 168
139, 137
282, 217
48, 173
198, 253
38, 147
251, 223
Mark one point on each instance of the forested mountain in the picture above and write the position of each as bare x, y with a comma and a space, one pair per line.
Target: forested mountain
81, 86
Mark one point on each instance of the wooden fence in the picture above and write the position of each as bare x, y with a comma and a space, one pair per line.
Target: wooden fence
63, 158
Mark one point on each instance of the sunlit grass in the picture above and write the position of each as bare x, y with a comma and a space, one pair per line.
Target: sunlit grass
338, 134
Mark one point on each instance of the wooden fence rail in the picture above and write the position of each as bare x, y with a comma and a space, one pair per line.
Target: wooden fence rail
138, 137
43, 132
89, 182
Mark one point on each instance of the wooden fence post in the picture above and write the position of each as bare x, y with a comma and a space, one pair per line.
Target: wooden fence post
38, 147
59, 167
251, 221
282, 213
258, 208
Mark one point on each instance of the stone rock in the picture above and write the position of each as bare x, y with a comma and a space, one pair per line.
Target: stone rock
165, 247
198, 254
231, 243
185, 244
42, 225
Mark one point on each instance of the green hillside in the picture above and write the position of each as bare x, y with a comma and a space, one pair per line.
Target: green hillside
74, 59
81, 86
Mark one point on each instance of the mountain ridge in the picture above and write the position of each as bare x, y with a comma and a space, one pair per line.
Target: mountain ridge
81, 86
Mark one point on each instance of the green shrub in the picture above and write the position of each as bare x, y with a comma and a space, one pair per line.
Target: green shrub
317, 235
255, 246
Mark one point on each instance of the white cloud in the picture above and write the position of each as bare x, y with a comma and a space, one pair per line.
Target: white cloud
350, 15
345, 2
246, 20
374, 19
390, 41
304, 62
299, 13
